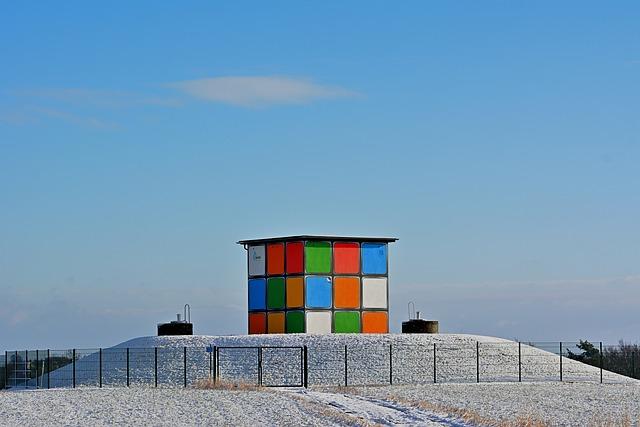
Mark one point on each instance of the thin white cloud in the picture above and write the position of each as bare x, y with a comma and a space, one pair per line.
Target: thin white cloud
75, 119
98, 97
26, 116
259, 90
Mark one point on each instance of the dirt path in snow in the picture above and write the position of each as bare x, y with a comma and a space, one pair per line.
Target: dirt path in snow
378, 411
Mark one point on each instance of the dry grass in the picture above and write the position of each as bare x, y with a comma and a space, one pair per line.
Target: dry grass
466, 415
624, 421
224, 385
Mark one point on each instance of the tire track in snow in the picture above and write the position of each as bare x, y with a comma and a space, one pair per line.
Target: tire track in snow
379, 411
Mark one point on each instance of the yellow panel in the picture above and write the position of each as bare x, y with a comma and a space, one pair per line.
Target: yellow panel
275, 323
295, 295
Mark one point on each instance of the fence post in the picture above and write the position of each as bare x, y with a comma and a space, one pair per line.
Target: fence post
259, 366
346, 370
48, 369
6, 368
560, 361
301, 367
434, 364
26, 374
217, 367
633, 364
390, 364
15, 370
477, 361
184, 359
306, 367
74, 367
37, 365
127, 366
100, 369
210, 362
155, 366
601, 362
519, 362
215, 364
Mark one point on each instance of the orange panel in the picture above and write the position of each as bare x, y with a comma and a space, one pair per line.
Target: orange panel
257, 323
346, 258
275, 259
346, 292
375, 322
275, 323
295, 295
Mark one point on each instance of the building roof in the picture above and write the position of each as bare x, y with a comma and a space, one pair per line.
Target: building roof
317, 238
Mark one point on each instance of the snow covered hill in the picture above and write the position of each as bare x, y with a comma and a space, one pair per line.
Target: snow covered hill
370, 360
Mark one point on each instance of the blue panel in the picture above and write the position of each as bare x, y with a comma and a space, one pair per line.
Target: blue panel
374, 258
318, 292
257, 294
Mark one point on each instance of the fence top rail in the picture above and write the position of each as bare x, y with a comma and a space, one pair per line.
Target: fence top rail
299, 347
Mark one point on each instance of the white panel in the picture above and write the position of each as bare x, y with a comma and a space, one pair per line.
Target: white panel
256, 260
374, 292
318, 322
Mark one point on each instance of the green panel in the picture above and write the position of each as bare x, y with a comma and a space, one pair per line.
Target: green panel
275, 293
295, 322
346, 321
317, 257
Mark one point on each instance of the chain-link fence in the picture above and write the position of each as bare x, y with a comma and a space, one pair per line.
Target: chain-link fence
295, 366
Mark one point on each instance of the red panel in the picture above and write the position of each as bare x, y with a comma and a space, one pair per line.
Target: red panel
346, 258
257, 323
275, 259
295, 251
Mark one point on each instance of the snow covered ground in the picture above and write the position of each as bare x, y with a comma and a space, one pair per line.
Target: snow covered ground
371, 360
454, 405
414, 399
149, 406
554, 403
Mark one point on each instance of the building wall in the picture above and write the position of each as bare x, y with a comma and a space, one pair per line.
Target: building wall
318, 287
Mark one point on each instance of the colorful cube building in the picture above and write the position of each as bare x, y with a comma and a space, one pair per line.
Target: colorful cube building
318, 284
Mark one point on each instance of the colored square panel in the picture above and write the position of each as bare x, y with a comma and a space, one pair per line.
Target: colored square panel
295, 322
346, 322
257, 323
346, 258
346, 292
375, 322
275, 259
318, 322
257, 294
275, 293
256, 260
317, 257
374, 258
374, 292
318, 292
295, 258
295, 292
275, 322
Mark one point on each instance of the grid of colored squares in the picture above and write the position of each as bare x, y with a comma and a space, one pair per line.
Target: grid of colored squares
317, 257
317, 292
318, 322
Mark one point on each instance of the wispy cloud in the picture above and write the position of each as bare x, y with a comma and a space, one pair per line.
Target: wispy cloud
99, 98
92, 122
259, 90
86, 106
34, 115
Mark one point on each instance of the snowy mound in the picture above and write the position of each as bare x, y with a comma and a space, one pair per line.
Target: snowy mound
308, 340
355, 359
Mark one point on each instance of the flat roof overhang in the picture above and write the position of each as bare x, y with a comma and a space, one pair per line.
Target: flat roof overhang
317, 238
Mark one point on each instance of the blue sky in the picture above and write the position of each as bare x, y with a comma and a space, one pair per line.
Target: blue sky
498, 141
